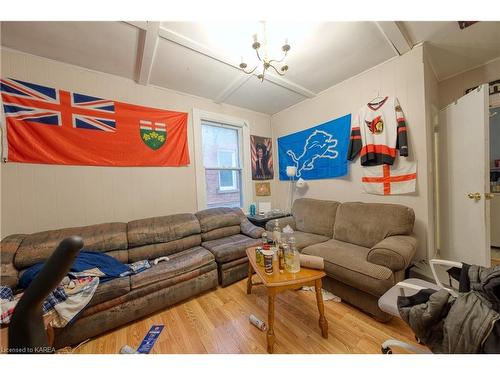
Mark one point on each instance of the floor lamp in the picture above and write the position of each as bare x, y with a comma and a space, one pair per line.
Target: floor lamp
291, 171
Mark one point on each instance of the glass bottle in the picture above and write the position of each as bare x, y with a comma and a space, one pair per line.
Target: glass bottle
281, 259
276, 233
294, 256
264, 238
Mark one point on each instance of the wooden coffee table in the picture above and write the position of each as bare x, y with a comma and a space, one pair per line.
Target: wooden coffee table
279, 282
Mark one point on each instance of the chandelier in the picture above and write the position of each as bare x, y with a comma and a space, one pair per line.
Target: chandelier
264, 62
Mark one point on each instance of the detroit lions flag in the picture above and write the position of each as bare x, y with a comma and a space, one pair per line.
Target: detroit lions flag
317, 153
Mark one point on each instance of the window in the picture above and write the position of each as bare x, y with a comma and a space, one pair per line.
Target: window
227, 179
222, 148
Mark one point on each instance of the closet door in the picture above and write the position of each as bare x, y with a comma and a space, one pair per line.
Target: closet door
463, 179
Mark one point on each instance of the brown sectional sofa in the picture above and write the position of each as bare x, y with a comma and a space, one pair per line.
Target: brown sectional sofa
366, 247
191, 269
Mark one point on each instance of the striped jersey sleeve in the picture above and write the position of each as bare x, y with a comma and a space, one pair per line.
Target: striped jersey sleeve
355, 143
402, 138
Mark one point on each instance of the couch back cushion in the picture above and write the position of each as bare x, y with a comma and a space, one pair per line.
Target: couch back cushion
219, 222
162, 236
315, 216
110, 238
366, 224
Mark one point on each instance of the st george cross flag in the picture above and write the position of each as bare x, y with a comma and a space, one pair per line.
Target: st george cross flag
390, 179
51, 126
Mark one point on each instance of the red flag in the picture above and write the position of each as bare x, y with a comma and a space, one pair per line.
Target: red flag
50, 126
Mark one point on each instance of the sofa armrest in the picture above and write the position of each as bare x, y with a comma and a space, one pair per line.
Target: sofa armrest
283, 222
9, 275
394, 252
250, 230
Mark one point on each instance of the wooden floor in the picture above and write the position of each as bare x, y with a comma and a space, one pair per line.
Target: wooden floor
217, 322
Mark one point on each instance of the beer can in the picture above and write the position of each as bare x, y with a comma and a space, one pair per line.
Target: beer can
259, 258
268, 261
257, 322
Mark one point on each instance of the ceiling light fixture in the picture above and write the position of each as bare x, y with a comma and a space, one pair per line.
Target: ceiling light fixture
264, 62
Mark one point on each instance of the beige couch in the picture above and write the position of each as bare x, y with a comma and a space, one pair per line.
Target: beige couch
366, 246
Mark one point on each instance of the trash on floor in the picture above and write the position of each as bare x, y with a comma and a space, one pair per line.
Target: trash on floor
128, 350
257, 322
327, 296
147, 342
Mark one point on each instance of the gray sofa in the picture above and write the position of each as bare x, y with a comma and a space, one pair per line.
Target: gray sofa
366, 247
200, 252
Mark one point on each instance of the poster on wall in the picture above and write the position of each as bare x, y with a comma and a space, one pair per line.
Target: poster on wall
262, 158
317, 153
50, 126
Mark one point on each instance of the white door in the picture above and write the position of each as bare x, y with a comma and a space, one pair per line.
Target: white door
463, 179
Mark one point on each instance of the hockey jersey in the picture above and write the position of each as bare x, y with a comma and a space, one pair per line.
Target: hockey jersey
377, 130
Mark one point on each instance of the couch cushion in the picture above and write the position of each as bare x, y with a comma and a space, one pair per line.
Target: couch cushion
38, 247
110, 289
156, 250
218, 217
220, 232
347, 262
161, 229
366, 224
230, 248
315, 216
179, 263
303, 239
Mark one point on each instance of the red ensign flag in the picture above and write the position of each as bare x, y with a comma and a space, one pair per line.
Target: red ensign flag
50, 126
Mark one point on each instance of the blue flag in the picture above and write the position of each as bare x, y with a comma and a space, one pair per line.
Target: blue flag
318, 152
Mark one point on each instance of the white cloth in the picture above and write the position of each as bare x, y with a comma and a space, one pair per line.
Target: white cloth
400, 178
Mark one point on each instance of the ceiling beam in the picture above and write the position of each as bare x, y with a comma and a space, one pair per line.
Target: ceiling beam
232, 87
199, 48
139, 24
395, 34
147, 49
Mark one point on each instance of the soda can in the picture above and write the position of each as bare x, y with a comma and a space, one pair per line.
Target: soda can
268, 261
259, 258
257, 322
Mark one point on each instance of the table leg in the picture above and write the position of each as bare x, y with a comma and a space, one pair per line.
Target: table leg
249, 281
323, 323
270, 320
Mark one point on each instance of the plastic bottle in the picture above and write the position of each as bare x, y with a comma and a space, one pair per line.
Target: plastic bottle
294, 256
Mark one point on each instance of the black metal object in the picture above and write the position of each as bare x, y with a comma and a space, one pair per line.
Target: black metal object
26, 329
261, 220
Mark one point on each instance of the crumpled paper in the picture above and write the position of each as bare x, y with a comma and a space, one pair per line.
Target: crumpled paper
327, 296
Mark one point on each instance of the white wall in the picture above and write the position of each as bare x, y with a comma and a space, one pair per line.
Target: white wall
42, 197
454, 87
403, 77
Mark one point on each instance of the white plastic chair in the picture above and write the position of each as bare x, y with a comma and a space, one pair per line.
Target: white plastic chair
409, 287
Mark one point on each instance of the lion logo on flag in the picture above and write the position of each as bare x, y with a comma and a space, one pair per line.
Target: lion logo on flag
153, 135
318, 145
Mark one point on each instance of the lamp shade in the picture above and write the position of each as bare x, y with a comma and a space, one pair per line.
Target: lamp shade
301, 183
291, 171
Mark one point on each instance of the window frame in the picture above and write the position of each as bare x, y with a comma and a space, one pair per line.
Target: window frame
242, 125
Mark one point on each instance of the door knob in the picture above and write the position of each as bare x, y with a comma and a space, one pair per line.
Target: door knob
475, 196
489, 196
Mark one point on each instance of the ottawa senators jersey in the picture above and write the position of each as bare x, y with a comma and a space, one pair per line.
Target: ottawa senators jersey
377, 130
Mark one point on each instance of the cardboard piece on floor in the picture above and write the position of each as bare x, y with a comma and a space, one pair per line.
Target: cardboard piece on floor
149, 340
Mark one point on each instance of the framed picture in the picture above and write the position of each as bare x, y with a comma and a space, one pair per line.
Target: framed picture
262, 158
262, 189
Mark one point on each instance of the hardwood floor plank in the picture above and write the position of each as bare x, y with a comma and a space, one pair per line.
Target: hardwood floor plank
217, 322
